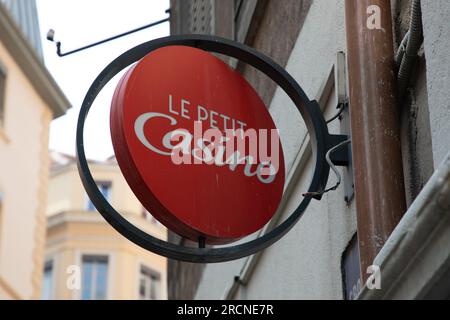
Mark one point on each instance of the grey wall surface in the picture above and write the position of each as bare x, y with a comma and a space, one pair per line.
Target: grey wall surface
436, 15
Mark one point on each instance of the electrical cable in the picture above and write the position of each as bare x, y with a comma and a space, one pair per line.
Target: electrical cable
333, 167
341, 108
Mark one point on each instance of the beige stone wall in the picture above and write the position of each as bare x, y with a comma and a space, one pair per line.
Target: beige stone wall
68, 242
66, 192
23, 180
73, 231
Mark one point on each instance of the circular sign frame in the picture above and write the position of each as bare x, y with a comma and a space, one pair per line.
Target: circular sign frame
222, 195
309, 110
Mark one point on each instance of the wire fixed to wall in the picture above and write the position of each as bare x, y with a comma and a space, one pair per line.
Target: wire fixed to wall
333, 168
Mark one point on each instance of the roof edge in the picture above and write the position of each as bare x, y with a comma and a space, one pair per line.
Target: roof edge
30, 64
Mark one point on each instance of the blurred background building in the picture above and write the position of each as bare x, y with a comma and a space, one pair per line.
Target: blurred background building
53, 244
79, 239
320, 257
29, 100
25, 14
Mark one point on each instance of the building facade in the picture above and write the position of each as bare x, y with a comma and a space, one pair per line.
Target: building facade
319, 258
29, 100
24, 13
85, 258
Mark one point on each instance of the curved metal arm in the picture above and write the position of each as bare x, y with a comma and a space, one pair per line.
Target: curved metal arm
51, 34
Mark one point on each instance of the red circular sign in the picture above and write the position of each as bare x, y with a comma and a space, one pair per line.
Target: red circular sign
197, 145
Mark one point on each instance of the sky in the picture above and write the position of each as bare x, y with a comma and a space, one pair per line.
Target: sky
81, 22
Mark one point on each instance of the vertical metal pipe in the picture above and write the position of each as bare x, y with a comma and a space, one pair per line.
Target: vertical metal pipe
375, 121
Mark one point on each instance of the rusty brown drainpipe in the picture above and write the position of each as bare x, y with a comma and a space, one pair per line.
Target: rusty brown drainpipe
375, 125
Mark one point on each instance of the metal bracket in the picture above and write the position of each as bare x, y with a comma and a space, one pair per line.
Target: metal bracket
340, 71
348, 177
51, 37
341, 157
338, 153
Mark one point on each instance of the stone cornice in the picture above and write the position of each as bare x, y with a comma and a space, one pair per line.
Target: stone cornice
22, 52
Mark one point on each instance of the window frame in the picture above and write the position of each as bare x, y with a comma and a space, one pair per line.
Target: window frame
97, 258
89, 205
145, 272
50, 263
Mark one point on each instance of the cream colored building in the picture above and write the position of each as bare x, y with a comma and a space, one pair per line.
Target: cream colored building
29, 100
85, 257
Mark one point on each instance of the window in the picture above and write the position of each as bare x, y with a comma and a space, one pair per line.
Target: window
105, 189
2, 94
149, 217
351, 270
149, 284
94, 278
47, 284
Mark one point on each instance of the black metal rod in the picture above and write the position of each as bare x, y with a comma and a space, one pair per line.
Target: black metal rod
153, 24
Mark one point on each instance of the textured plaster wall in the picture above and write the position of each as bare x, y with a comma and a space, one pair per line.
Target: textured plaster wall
22, 140
436, 22
306, 263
